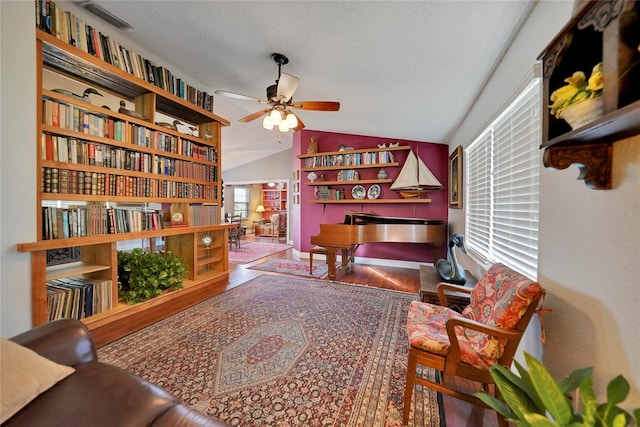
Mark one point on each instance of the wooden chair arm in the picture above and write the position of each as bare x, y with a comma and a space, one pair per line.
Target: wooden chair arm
453, 359
444, 286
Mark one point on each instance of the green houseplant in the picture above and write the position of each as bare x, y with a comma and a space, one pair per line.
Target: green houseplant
535, 399
144, 275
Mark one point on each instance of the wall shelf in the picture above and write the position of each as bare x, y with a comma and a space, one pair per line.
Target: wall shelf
607, 32
368, 201
358, 182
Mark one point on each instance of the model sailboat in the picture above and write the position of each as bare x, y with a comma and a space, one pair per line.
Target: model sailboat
415, 178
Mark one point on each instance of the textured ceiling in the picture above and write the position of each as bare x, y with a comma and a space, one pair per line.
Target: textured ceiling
400, 69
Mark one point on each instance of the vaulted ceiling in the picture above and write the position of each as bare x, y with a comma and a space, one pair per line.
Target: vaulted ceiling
400, 69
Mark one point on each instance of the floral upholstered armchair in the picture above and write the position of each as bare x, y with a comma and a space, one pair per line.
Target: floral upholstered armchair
466, 344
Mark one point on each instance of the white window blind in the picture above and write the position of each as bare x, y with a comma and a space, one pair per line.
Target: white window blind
503, 167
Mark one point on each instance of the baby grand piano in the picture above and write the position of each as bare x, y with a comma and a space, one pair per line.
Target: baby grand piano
360, 228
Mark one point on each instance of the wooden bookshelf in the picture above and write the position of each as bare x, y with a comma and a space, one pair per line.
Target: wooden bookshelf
140, 162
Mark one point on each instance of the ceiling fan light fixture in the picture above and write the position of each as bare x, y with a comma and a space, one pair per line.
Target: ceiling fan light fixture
292, 120
267, 123
283, 126
276, 117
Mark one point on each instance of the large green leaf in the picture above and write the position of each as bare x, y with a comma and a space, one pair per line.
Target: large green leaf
552, 397
539, 420
574, 379
617, 390
496, 404
514, 396
589, 403
527, 386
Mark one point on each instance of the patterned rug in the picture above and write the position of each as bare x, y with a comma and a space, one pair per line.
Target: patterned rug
249, 252
290, 266
285, 351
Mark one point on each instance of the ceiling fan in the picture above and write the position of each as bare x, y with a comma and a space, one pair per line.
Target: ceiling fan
280, 101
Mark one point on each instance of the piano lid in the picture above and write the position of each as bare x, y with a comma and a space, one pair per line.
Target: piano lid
361, 218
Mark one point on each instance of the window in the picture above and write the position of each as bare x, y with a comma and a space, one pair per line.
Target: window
241, 202
503, 167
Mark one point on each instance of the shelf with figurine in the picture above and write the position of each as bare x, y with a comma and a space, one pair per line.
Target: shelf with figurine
591, 72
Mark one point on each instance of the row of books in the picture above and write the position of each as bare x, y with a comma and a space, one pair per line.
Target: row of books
64, 181
81, 221
149, 138
75, 151
326, 193
184, 169
71, 117
350, 159
67, 27
63, 116
204, 215
78, 298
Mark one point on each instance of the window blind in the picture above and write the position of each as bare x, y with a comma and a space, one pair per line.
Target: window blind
503, 168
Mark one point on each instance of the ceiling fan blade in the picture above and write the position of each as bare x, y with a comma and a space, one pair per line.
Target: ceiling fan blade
300, 124
237, 96
254, 116
287, 85
317, 105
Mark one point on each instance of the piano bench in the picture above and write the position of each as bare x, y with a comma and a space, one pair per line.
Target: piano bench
347, 252
315, 250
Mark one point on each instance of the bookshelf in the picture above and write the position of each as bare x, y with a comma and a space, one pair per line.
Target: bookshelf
99, 171
274, 200
348, 169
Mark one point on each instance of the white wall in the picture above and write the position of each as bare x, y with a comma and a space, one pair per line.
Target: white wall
276, 167
17, 161
588, 241
18, 150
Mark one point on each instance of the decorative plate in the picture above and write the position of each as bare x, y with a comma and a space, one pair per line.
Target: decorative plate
358, 192
176, 217
374, 191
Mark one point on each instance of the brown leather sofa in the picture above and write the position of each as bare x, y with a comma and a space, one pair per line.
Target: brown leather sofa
96, 394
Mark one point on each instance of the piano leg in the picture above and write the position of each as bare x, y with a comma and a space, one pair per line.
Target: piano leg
331, 261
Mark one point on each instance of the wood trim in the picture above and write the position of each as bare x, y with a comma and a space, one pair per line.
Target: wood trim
593, 160
125, 319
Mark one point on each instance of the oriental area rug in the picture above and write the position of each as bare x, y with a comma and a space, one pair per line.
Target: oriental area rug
285, 351
251, 251
295, 267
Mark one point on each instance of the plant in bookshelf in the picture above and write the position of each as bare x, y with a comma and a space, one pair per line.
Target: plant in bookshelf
145, 275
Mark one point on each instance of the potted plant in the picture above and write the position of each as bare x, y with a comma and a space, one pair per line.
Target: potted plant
580, 100
144, 275
535, 399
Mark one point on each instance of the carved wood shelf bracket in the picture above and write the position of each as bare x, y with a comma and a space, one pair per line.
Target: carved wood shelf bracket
593, 160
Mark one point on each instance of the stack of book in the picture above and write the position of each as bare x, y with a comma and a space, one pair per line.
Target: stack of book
77, 298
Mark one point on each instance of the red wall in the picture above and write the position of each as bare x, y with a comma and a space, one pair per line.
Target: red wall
306, 224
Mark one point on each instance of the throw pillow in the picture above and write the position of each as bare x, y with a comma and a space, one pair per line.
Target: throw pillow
24, 375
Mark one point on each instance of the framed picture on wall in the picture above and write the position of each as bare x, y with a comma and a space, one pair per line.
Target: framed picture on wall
455, 179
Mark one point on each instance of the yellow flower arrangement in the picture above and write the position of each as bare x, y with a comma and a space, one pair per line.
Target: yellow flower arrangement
578, 89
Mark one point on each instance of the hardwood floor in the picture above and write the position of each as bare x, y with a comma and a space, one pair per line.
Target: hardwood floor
457, 413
